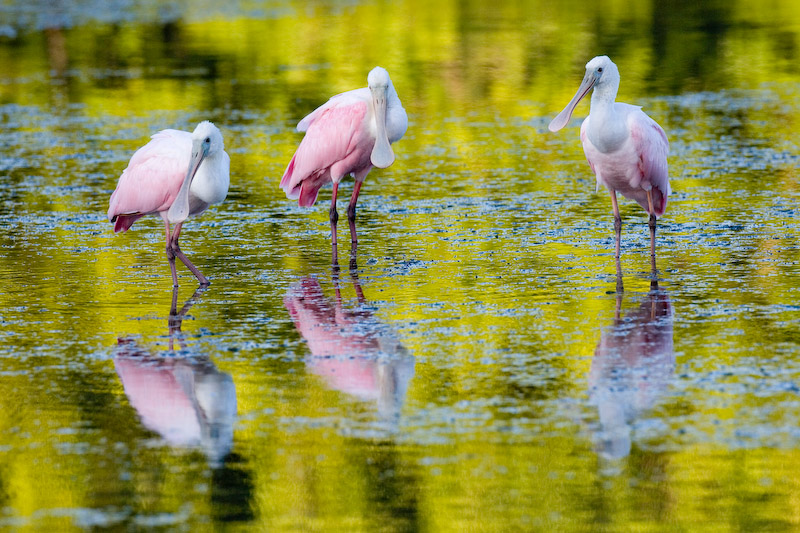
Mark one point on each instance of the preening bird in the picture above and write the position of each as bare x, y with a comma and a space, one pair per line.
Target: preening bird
176, 175
626, 149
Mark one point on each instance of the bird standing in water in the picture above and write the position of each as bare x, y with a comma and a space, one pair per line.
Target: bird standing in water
349, 134
177, 175
626, 149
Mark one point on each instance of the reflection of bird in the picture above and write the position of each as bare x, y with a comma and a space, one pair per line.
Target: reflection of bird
350, 348
631, 368
626, 149
186, 400
349, 134
177, 174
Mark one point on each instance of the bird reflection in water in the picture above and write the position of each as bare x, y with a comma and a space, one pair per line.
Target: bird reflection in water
632, 367
183, 398
350, 348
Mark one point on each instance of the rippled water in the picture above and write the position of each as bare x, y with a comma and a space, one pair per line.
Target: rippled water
473, 365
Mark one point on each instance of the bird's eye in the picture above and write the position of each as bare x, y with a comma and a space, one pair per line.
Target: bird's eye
599, 69
208, 140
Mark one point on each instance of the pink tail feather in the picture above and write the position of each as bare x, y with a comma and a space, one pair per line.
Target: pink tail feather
659, 201
287, 175
124, 222
309, 193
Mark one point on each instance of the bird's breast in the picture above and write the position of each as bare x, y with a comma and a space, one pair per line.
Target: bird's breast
396, 123
211, 182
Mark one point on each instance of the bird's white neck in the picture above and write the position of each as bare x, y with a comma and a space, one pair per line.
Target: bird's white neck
212, 179
607, 129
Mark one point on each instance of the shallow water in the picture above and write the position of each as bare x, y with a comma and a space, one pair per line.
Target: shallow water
473, 364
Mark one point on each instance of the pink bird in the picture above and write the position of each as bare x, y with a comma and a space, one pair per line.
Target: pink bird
626, 149
349, 134
177, 175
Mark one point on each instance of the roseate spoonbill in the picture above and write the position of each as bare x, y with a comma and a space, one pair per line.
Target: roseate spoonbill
177, 175
633, 365
350, 348
349, 134
626, 149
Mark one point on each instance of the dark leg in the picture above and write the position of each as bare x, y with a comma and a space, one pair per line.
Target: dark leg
351, 211
180, 255
653, 272
652, 227
617, 221
334, 213
171, 255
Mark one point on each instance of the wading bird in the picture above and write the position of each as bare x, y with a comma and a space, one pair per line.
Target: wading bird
349, 134
177, 175
626, 149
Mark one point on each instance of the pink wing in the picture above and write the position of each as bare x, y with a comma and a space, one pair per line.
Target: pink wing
651, 144
335, 145
151, 181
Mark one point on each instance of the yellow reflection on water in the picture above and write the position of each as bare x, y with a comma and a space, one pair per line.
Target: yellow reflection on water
502, 304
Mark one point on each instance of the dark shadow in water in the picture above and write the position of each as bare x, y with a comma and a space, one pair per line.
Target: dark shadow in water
183, 398
632, 366
391, 487
232, 491
350, 348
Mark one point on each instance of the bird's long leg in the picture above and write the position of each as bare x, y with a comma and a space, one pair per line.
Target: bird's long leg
351, 211
617, 220
652, 228
170, 254
180, 255
334, 213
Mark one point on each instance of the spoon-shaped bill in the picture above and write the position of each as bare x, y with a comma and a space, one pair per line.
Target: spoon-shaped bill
562, 118
179, 210
382, 155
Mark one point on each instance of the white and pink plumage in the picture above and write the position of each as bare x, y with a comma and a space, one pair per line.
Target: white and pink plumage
626, 149
176, 175
349, 134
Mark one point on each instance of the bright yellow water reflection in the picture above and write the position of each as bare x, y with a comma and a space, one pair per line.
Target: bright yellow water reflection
485, 253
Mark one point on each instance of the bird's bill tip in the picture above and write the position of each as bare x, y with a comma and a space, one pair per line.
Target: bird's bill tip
382, 154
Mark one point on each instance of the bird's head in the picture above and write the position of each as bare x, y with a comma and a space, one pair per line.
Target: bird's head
601, 75
207, 139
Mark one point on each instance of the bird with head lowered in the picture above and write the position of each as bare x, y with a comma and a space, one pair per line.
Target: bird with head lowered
176, 175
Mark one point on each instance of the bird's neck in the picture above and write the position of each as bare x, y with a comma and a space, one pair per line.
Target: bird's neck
607, 129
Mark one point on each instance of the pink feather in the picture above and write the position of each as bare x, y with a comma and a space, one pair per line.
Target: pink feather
338, 142
151, 181
637, 166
